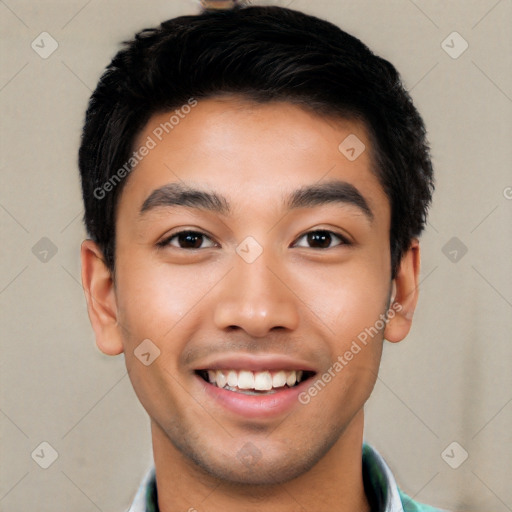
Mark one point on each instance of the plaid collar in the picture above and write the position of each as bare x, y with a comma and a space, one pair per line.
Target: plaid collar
380, 488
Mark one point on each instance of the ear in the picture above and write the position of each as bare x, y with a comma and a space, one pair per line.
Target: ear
101, 301
402, 307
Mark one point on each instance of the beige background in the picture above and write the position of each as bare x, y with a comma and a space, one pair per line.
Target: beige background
451, 380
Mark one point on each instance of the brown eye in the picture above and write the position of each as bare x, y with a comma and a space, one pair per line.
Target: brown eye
321, 239
188, 240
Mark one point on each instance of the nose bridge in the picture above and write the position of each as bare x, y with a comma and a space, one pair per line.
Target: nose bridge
255, 297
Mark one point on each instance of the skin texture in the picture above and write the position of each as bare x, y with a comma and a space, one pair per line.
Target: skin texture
295, 299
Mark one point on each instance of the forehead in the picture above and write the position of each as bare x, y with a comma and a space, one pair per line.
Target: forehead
252, 153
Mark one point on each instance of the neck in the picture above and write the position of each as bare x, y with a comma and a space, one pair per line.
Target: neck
333, 483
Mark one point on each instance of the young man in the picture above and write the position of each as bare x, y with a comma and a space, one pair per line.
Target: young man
255, 181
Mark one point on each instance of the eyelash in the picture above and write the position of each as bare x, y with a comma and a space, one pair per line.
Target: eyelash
167, 241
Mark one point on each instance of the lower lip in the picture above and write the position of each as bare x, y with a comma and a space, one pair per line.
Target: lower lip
255, 406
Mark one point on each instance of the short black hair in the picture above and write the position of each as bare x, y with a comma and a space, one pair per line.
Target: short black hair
263, 54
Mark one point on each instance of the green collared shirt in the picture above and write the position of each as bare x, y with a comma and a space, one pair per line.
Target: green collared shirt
380, 488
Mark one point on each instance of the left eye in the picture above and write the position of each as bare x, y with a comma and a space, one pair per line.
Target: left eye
320, 239
188, 240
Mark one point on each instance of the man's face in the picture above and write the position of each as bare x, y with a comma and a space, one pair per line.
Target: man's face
278, 275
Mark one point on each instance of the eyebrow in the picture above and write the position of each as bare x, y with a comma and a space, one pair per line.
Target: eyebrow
335, 191
176, 194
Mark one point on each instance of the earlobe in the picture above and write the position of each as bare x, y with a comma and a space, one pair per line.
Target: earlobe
101, 301
405, 296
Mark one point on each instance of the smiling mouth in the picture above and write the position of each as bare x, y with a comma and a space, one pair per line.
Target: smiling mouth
254, 383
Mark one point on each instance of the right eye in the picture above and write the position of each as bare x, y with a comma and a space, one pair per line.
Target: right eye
187, 240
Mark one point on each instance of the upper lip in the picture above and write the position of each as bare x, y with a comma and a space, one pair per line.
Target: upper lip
255, 363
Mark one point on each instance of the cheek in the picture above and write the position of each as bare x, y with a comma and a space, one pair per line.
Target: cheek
345, 298
157, 300
151, 299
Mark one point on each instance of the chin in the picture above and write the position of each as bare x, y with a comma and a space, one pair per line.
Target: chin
262, 473
252, 466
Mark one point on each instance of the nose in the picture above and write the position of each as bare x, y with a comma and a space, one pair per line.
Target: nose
256, 297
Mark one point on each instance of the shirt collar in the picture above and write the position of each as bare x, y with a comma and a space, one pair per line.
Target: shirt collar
379, 485
146, 497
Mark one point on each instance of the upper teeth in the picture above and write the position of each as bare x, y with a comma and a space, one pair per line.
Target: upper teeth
260, 381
